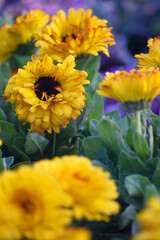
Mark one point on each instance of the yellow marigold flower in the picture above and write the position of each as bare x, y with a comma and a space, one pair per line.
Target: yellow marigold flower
21, 32
78, 34
1, 142
149, 220
75, 233
91, 188
152, 58
47, 95
136, 89
39, 201
8, 223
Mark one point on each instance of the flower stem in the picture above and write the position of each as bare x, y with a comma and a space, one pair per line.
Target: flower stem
54, 143
138, 121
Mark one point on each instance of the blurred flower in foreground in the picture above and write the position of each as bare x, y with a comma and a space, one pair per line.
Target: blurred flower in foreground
74, 233
78, 34
39, 202
21, 32
47, 95
149, 220
151, 59
135, 89
91, 188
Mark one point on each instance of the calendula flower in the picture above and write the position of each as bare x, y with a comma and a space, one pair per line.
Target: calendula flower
47, 95
152, 58
135, 89
8, 223
74, 233
39, 201
21, 32
149, 221
77, 34
92, 190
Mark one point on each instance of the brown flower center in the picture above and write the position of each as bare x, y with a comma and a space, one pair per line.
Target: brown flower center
65, 37
46, 87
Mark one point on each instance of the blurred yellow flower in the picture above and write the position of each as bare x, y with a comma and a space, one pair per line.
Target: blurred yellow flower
91, 188
8, 223
47, 95
21, 32
39, 201
1, 142
136, 89
74, 233
149, 220
152, 58
78, 34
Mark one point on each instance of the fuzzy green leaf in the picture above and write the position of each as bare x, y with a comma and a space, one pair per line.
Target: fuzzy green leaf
35, 143
92, 145
127, 216
136, 184
130, 162
7, 133
141, 146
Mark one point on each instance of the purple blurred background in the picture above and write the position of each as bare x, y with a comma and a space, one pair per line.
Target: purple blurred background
133, 21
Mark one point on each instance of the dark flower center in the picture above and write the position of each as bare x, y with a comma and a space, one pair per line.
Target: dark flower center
64, 38
46, 87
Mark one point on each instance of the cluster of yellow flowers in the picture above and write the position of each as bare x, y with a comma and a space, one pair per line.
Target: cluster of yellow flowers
41, 201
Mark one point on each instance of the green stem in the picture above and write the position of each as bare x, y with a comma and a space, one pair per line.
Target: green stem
138, 120
54, 143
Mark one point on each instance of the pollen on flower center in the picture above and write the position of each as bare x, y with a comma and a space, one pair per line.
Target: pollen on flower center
46, 87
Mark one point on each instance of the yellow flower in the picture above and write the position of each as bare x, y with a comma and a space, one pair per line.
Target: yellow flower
21, 32
75, 233
1, 142
152, 58
78, 34
8, 223
47, 95
136, 89
91, 188
39, 201
149, 220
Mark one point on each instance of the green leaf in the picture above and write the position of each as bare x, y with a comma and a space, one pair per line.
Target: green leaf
141, 146
96, 110
150, 191
130, 162
3, 115
92, 145
35, 143
19, 142
63, 150
156, 176
112, 135
114, 115
19, 156
7, 133
93, 127
97, 163
123, 124
127, 216
136, 184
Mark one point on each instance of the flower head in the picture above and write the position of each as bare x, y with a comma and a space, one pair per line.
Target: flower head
78, 34
21, 32
39, 202
135, 89
152, 58
74, 233
149, 220
47, 95
92, 190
